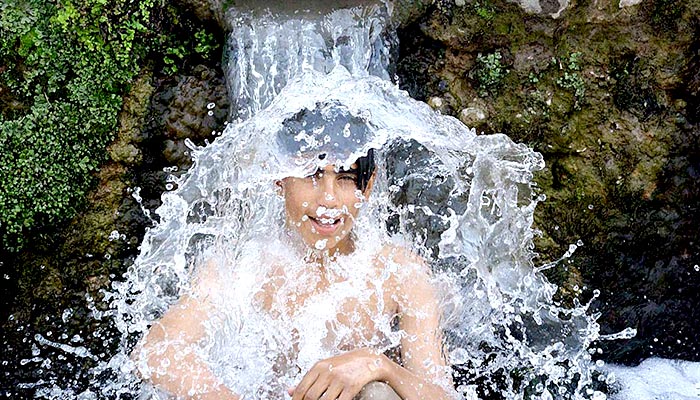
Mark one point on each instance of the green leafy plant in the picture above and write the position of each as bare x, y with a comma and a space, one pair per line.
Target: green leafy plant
68, 63
571, 78
489, 73
204, 43
485, 10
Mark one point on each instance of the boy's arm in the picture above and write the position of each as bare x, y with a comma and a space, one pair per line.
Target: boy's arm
169, 350
424, 365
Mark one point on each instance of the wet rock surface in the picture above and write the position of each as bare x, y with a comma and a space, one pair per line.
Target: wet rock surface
608, 93
55, 288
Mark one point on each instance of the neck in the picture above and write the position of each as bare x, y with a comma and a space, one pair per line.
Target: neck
318, 257
323, 257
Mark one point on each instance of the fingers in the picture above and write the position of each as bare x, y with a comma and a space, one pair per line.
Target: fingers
348, 394
332, 392
305, 384
318, 389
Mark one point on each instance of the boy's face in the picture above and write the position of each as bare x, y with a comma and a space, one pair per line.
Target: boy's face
323, 207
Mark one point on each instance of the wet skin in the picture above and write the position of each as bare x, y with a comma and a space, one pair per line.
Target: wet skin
322, 208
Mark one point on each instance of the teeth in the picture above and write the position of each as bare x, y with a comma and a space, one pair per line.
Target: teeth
326, 221
329, 212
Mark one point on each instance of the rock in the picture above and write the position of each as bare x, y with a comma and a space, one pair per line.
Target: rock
404, 11
629, 3
195, 106
176, 153
533, 57
125, 148
438, 104
553, 8
125, 153
611, 97
208, 11
474, 114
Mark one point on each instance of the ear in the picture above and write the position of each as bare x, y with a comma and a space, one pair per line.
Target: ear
370, 184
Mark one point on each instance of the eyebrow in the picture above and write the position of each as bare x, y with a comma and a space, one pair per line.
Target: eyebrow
354, 171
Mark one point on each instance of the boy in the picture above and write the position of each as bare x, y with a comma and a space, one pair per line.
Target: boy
320, 213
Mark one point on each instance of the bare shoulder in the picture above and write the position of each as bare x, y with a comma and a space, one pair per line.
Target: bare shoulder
410, 278
403, 263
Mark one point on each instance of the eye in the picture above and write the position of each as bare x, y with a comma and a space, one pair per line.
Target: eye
347, 178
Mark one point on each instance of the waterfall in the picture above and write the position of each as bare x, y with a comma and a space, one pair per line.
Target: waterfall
266, 49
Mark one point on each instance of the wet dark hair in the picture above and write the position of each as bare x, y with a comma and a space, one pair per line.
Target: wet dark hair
333, 117
365, 169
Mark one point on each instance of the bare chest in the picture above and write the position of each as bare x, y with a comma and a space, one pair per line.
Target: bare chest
342, 315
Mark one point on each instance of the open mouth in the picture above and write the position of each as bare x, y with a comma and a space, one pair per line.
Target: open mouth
325, 225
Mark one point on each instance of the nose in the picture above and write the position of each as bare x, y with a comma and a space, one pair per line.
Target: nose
327, 191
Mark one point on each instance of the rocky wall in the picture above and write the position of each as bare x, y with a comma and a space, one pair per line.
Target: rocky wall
608, 93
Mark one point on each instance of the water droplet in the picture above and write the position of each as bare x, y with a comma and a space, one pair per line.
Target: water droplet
696, 267
114, 235
211, 106
67, 313
590, 206
459, 356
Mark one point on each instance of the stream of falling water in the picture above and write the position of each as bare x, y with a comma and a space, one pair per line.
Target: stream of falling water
311, 91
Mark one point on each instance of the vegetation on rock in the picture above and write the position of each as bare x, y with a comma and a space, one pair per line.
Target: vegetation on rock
101, 103
65, 68
609, 94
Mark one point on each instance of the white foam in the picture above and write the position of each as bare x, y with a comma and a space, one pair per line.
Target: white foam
657, 379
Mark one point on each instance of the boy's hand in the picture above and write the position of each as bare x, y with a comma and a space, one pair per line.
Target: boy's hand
341, 377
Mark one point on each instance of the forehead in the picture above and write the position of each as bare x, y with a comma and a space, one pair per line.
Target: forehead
336, 170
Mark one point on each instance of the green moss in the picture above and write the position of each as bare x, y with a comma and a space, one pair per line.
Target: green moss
66, 65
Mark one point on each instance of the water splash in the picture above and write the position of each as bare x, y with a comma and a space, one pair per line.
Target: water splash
312, 93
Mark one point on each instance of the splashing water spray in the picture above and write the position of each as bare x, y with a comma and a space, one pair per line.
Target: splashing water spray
312, 90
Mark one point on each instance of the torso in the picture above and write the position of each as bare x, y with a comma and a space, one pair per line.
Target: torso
273, 322
325, 309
